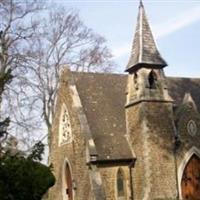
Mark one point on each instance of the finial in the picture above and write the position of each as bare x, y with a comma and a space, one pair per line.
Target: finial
141, 4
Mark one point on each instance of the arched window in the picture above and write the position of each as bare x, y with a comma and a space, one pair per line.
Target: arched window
120, 185
68, 185
152, 80
65, 132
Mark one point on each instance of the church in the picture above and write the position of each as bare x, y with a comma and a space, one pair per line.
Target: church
132, 136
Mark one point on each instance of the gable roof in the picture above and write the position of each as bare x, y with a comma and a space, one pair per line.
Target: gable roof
178, 87
103, 99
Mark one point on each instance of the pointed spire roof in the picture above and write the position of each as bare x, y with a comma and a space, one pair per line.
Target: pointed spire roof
144, 51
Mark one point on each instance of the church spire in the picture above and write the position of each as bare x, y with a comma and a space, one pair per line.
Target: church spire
141, 3
144, 51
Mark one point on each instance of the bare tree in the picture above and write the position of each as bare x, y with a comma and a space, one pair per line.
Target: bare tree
37, 52
65, 41
17, 27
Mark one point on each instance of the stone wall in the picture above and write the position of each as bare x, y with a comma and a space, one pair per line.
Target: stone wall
73, 153
151, 130
109, 177
158, 170
189, 142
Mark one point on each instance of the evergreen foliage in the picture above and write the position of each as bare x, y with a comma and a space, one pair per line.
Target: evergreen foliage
23, 179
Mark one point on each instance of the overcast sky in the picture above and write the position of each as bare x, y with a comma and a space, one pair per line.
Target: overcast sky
175, 25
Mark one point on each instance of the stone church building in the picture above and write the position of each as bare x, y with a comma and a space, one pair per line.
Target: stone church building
133, 136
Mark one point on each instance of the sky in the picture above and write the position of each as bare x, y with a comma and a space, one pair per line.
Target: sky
175, 25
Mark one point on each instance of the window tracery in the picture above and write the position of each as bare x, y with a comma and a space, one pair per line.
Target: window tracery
65, 132
192, 128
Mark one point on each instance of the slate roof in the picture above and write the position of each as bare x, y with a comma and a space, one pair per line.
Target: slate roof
179, 86
144, 50
103, 99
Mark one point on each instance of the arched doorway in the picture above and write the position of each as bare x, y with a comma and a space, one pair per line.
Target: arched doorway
190, 182
68, 183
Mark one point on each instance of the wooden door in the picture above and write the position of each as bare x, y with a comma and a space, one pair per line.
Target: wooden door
69, 189
190, 183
